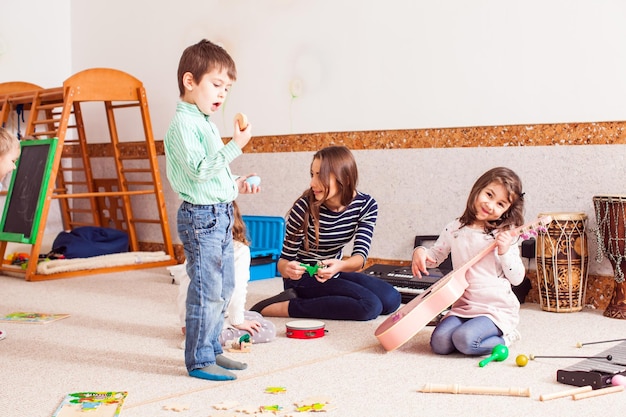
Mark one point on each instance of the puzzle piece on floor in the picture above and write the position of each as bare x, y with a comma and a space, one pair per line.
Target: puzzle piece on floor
225, 405
275, 390
176, 407
314, 404
313, 400
273, 408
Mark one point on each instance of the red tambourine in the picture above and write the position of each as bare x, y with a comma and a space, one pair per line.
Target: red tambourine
305, 329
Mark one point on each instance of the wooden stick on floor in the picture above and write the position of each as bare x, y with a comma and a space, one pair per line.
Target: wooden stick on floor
460, 389
566, 393
602, 391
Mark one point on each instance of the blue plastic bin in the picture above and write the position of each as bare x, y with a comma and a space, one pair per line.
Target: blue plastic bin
265, 234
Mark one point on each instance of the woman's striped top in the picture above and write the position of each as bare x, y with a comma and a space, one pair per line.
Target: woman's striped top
336, 230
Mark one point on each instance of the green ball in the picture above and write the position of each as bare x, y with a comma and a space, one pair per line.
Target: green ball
521, 360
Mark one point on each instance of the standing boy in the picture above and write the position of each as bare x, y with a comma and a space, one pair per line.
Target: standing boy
197, 168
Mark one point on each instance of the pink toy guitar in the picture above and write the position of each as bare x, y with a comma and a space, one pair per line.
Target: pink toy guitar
405, 323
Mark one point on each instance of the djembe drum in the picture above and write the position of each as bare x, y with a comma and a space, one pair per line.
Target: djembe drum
562, 262
611, 236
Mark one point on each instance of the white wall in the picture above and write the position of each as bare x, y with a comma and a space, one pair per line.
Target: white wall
35, 41
369, 65
35, 48
366, 65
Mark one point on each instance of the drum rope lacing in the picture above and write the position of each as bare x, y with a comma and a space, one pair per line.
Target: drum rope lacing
616, 258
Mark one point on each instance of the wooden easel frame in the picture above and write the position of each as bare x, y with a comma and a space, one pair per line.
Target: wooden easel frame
57, 106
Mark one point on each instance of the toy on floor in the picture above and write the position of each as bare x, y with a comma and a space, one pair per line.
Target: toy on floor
308, 405
274, 408
498, 353
101, 403
566, 393
581, 393
242, 345
19, 259
478, 390
618, 379
522, 360
275, 390
314, 404
598, 392
579, 345
305, 329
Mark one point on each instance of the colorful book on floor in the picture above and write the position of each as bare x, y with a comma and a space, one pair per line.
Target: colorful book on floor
93, 404
28, 317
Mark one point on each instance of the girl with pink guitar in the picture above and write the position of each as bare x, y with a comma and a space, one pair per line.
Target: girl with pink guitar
487, 313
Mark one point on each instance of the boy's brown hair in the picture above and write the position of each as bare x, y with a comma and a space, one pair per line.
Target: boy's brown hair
202, 58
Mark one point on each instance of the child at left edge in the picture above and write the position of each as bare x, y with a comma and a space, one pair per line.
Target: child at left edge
197, 162
9, 153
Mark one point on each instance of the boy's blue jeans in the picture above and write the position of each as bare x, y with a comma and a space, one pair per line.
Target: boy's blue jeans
206, 234
475, 336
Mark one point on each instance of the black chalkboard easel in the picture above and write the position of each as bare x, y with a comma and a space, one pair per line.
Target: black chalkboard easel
27, 192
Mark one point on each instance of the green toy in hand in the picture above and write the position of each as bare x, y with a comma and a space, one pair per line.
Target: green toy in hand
312, 269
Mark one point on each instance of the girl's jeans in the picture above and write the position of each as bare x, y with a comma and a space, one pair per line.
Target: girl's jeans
475, 336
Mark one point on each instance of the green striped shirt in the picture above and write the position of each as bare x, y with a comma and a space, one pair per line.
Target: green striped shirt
197, 160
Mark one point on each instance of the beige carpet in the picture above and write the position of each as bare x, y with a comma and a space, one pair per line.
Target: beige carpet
123, 335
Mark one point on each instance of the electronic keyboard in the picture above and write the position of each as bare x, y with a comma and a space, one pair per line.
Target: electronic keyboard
403, 280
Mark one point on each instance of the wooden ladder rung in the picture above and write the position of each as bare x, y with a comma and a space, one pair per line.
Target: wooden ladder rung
44, 133
104, 194
51, 92
45, 121
147, 183
50, 106
125, 105
77, 210
73, 223
145, 221
136, 170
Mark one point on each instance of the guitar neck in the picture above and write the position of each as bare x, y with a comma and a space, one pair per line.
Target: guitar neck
518, 231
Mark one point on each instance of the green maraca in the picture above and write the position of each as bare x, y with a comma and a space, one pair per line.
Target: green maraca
498, 353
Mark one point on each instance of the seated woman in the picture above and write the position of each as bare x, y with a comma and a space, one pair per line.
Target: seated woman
323, 220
